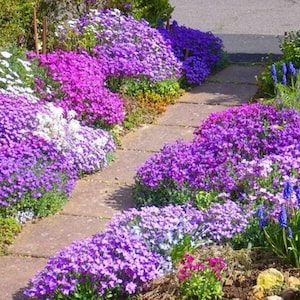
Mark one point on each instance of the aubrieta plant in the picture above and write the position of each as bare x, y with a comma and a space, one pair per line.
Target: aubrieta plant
102, 267
137, 246
81, 88
127, 47
201, 280
199, 51
236, 154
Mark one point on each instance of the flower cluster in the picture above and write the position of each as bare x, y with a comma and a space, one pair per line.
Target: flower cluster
106, 264
16, 73
287, 73
199, 51
127, 47
41, 151
135, 247
201, 280
244, 153
163, 228
81, 87
87, 147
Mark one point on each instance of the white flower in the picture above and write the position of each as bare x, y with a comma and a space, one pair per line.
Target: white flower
6, 54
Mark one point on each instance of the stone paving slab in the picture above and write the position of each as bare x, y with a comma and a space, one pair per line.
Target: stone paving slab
97, 199
20, 269
45, 237
123, 169
188, 114
238, 74
154, 137
225, 94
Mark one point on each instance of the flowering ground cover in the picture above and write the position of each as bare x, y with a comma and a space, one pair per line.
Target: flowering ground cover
259, 206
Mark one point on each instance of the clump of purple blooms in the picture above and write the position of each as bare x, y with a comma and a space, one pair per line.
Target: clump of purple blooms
134, 249
81, 87
234, 154
126, 46
198, 51
42, 151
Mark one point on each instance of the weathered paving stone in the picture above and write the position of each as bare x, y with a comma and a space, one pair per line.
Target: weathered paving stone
45, 237
222, 94
188, 114
238, 74
154, 137
123, 168
98, 199
15, 272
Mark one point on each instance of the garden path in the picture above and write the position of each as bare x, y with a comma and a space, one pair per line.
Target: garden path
97, 197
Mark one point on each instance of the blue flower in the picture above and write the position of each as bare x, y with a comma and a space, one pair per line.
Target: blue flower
283, 217
292, 69
284, 79
284, 68
297, 191
261, 216
274, 73
287, 190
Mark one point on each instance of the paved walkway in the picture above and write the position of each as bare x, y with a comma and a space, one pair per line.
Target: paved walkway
97, 197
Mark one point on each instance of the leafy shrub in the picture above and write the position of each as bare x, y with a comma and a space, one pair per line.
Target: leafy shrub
290, 47
16, 22
154, 11
9, 228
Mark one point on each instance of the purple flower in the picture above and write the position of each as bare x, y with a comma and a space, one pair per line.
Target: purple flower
261, 216
297, 191
284, 79
274, 73
292, 69
284, 68
287, 190
283, 217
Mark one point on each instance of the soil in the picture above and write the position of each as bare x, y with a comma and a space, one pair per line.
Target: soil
243, 267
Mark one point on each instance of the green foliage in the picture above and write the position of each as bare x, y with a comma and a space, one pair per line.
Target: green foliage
252, 237
284, 241
48, 204
9, 228
203, 199
145, 196
154, 11
289, 96
266, 83
86, 290
290, 47
16, 22
184, 246
15, 71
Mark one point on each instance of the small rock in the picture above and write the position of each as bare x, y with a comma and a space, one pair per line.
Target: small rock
293, 282
274, 298
290, 294
258, 292
270, 278
228, 282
